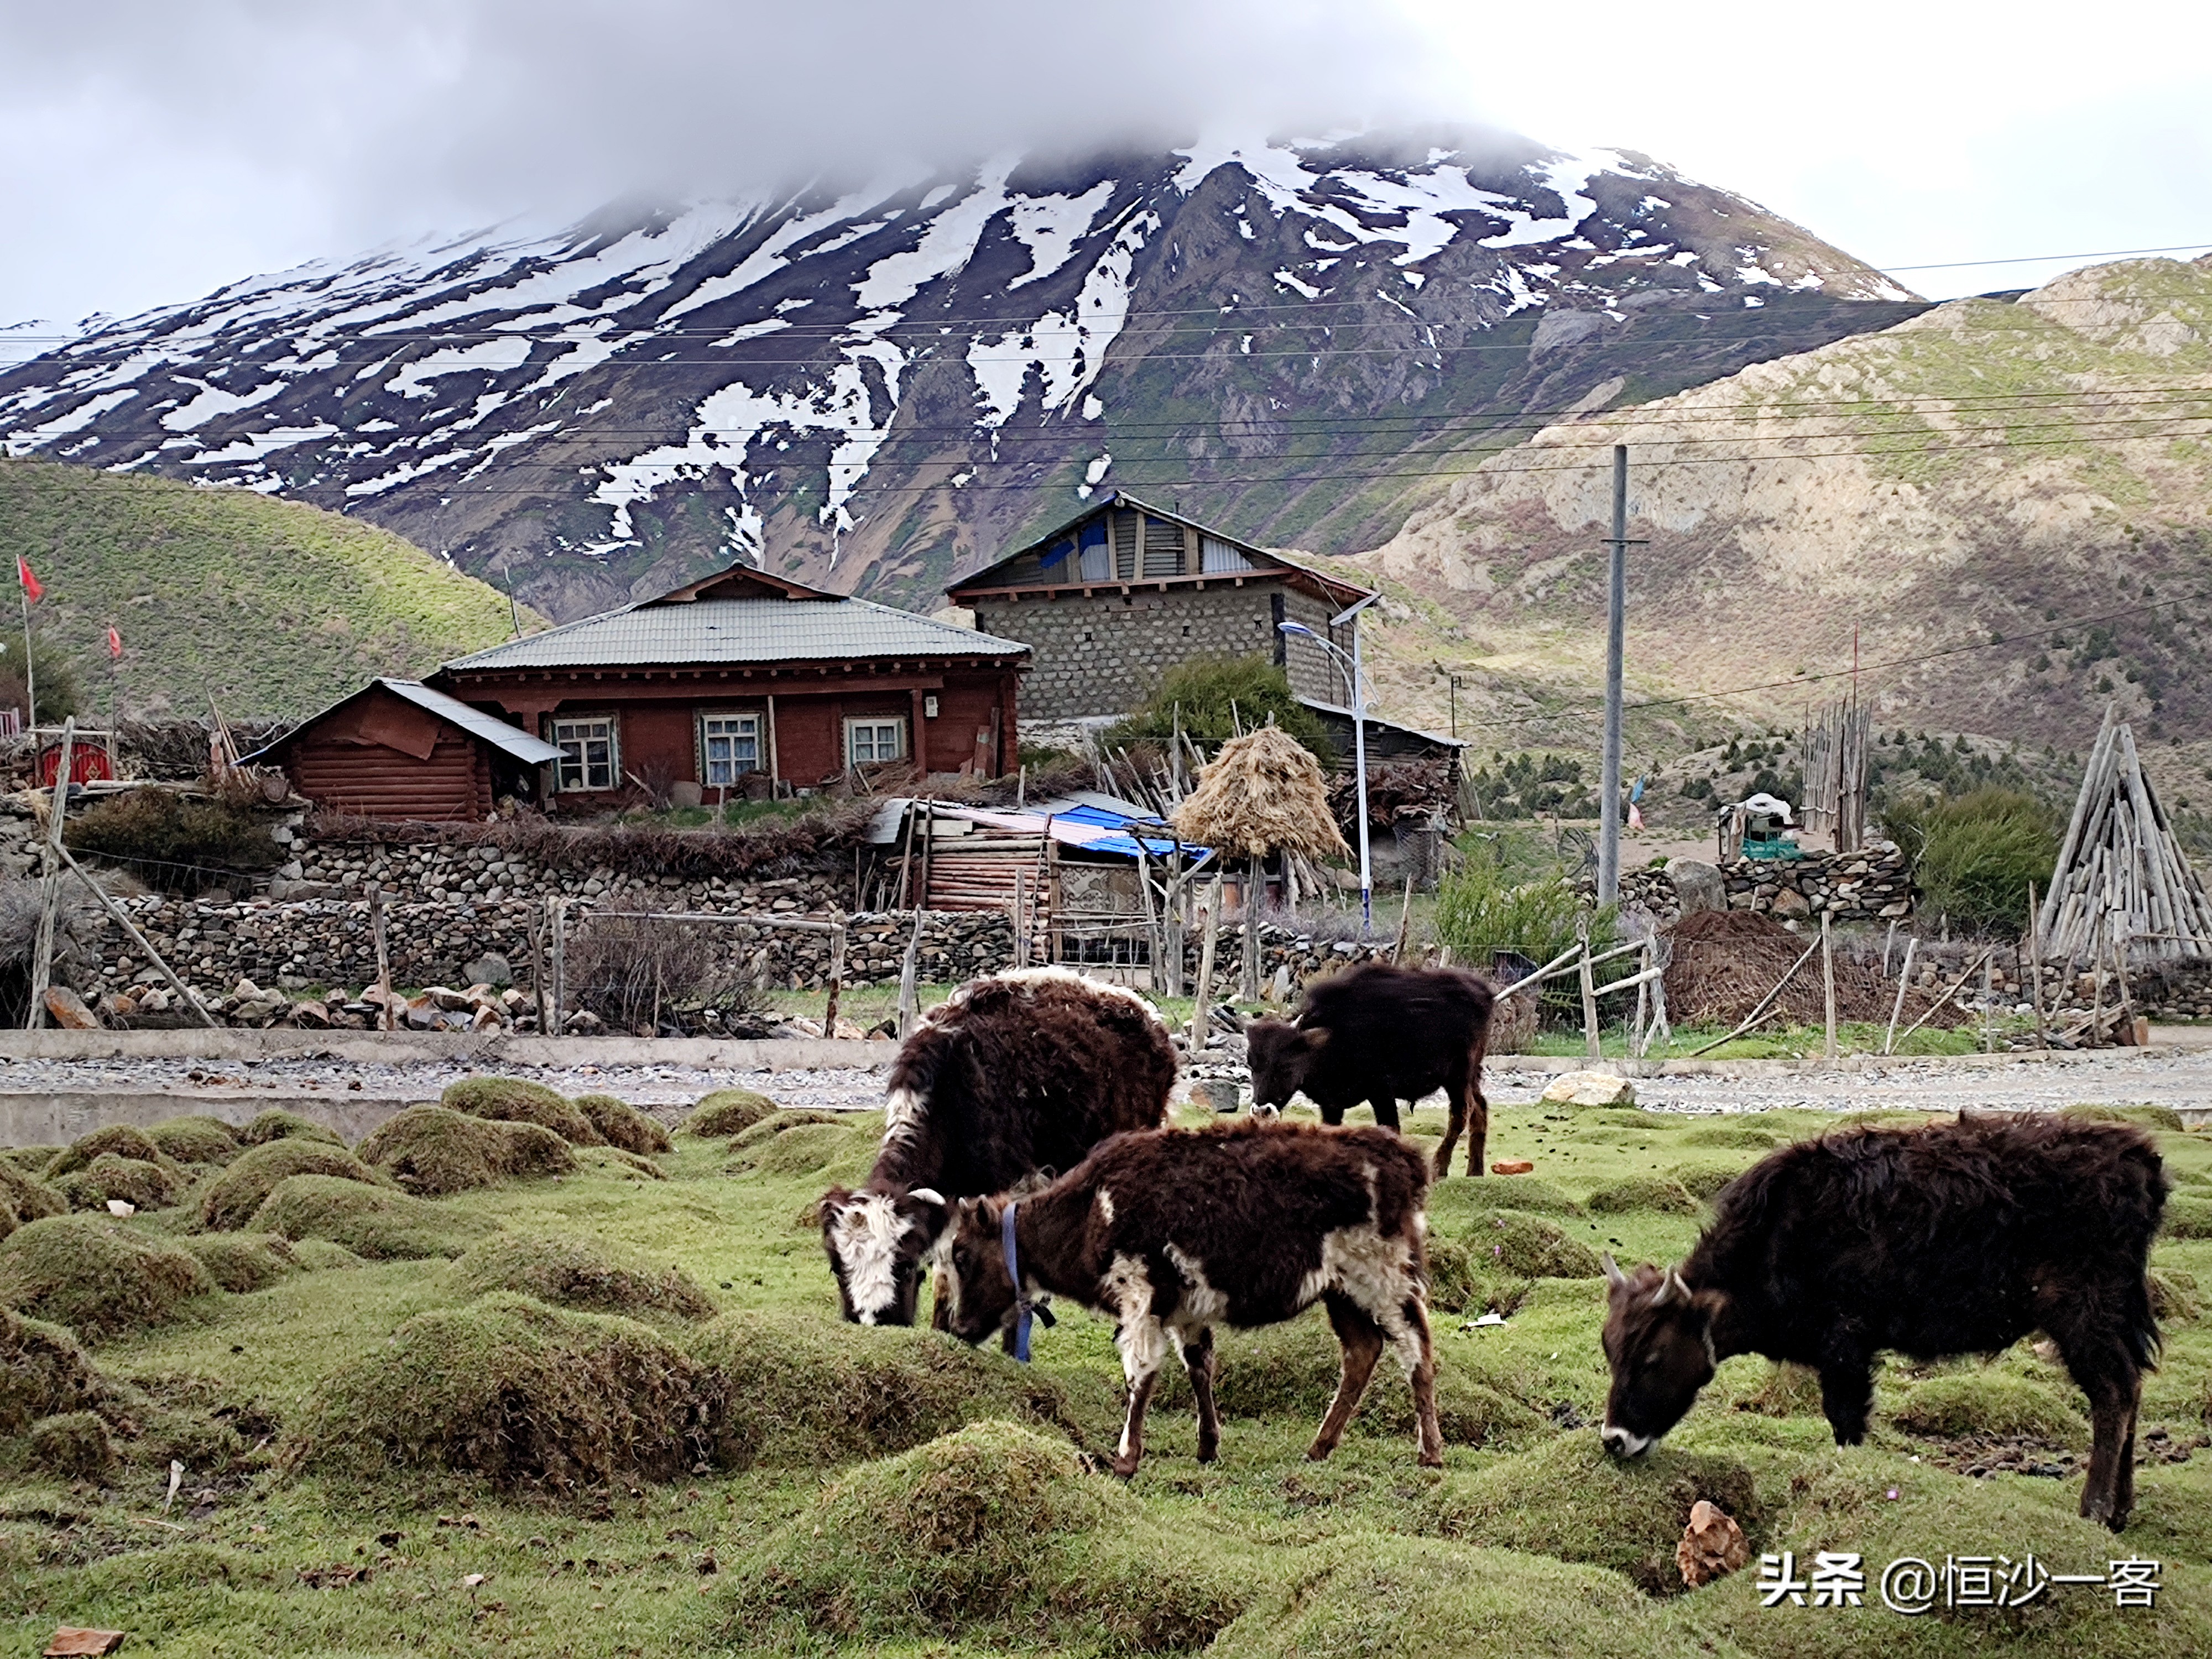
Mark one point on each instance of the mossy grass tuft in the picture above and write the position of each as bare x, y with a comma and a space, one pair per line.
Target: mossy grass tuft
122, 1140
513, 1100
196, 1138
1989, 1402
1528, 1247
141, 1185
519, 1393
1733, 1136
727, 1112
2141, 1117
2188, 1216
622, 1125
841, 1149
777, 1122
1658, 1193
96, 1275
243, 1262
434, 1151
1702, 1180
72, 1444
42, 1371
277, 1124
228, 1202
2174, 1296
1462, 1200
30, 1198
374, 1223
581, 1272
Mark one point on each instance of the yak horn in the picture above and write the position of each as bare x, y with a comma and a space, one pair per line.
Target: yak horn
1666, 1289
929, 1195
1613, 1273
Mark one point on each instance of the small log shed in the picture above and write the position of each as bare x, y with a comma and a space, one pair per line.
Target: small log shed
396, 749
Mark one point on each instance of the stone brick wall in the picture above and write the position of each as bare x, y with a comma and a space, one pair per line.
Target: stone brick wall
1100, 655
1870, 884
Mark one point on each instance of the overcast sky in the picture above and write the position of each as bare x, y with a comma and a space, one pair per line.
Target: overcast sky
158, 148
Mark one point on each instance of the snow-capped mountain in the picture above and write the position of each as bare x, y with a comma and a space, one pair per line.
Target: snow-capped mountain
874, 386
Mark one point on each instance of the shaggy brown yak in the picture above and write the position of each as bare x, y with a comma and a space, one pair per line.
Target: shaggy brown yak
1013, 1075
1959, 1238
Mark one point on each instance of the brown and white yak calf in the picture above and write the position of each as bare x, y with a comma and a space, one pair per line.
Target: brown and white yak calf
1174, 1231
1958, 1237
1012, 1075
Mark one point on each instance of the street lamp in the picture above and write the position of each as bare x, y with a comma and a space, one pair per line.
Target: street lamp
1358, 732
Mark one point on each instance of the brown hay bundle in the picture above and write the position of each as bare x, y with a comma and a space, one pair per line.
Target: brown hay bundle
1725, 961
1263, 793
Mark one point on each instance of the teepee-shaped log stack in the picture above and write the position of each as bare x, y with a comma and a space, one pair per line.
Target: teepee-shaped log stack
2121, 868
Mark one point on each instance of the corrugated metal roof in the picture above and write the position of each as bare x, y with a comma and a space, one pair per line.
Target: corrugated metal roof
741, 631
1375, 719
530, 751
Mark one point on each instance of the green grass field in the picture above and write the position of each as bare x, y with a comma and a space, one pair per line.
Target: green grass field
809, 1487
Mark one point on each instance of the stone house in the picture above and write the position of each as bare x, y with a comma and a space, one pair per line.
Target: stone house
1111, 600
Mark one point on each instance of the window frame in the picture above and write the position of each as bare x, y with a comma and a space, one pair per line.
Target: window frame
756, 720
612, 720
877, 723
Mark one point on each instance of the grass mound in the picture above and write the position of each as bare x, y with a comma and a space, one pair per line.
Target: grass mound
512, 1100
243, 1262
120, 1140
586, 1273
73, 1445
2188, 1216
993, 1525
1530, 1247
1464, 1199
1702, 1181
808, 1149
197, 1139
804, 1393
1423, 1598
279, 1125
2173, 1296
434, 1151
2164, 1119
1989, 1402
42, 1372
1734, 1137
372, 1222
227, 1202
622, 1125
1786, 1390
143, 1186
778, 1123
96, 1276
1658, 1193
1573, 1499
727, 1112
30, 1198
519, 1393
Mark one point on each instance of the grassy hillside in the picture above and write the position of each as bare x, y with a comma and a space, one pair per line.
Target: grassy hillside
389, 1452
271, 606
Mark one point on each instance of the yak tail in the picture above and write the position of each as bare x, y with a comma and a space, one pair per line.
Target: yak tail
2143, 1335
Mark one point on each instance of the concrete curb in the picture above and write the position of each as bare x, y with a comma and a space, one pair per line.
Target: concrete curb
485, 1051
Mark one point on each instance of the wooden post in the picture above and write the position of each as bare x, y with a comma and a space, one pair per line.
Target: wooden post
537, 966
2035, 967
1590, 992
560, 964
1904, 980
906, 861
774, 761
1643, 1005
1828, 985
1989, 996
836, 979
1256, 882
122, 917
1198, 1013
908, 998
1888, 939
1156, 932
42, 962
2119, 945
1405, 921
383, 959
1021, 943
2096, 977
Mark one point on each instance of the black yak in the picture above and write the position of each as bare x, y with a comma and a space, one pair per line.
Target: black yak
1012, 1075
1172, 1232
1382, 1035
1958, 1237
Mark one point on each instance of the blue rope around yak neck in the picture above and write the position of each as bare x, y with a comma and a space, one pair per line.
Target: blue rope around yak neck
1025, 1309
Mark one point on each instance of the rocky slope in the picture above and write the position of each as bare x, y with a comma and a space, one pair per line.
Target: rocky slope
874, 388
1953, 493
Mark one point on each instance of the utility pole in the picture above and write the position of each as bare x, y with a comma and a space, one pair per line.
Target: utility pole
1608, 805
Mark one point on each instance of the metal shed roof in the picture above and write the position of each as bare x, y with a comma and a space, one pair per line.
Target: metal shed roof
489, 728
749, 630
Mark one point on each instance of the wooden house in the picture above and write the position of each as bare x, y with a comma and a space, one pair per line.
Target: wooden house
397, 748
745, 683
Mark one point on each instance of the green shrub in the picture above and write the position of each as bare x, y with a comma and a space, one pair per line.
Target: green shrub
434, 1152
142, 1186
1974, 856
195, 1139
228, 1201
575, 1273
120, 1138
622, 1125
511, 1100
727, 1112
174, 842
1655, 1193
244, 1262
43, 1371
519, 1393
374, 1223
96, 1276
276, 1124
1212, 699
1479, 913
1989, 1402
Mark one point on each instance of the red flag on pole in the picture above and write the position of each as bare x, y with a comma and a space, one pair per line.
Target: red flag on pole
114, 644
32, 589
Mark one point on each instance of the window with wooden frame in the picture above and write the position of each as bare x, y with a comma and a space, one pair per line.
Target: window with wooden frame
591, 751
872, 739
729, 747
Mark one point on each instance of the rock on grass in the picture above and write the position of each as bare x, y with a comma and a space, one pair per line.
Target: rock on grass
244, 1262
97, 1276
519, 1393
1573, 1499
197, 1139
727, 1112
622, 1125
1656, 1194
73, 1444
141, 1185
374, 1222
585, 1273
276, 1124
120, 1138
227, 1202
511, 1100
1989, 1402
432, 1151
806, 1392
42, 1371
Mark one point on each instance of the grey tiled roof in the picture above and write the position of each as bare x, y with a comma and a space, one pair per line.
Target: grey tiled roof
741, 631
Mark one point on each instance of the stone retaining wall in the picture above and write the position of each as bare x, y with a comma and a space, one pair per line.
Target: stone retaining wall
1871, 884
